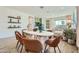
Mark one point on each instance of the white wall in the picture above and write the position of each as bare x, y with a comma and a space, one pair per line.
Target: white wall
4, 13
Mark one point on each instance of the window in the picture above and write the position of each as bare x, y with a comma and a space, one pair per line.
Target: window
60, 24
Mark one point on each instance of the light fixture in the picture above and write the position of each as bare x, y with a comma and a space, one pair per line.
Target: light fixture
41, 7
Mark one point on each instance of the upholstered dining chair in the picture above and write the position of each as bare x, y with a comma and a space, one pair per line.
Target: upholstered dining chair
33, 46
19, 40
54, 43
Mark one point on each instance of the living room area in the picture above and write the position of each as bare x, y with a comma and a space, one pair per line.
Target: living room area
40, 26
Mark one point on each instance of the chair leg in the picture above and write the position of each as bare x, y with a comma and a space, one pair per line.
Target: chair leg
26, 50
45, 48
41, 51
21, 49
54, 50
18, 47
17, 44
59, 49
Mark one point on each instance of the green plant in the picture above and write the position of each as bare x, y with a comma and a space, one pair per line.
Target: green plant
70, 34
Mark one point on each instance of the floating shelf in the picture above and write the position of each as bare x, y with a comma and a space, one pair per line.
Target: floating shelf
15, 22
14, 27
18, 17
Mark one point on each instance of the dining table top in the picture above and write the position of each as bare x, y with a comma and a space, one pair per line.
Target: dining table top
43, 33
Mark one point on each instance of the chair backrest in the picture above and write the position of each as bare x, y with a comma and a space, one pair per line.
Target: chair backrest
32, 45
19, 37
17, 34
55, 42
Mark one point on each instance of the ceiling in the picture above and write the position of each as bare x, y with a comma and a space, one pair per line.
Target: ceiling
45, 10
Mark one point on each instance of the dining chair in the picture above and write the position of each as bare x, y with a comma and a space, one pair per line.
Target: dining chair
33, 46
53, 44
23, 32
19, 40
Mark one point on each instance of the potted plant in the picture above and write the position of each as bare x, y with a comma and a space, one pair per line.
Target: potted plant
65, 36
70, 36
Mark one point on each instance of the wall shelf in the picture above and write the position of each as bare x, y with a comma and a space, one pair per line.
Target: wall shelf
14, 27
17, 21
18, 17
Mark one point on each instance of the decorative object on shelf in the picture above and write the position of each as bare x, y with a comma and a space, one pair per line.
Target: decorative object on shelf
14, 20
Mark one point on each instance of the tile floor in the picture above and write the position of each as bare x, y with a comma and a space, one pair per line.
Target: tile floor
7, 45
